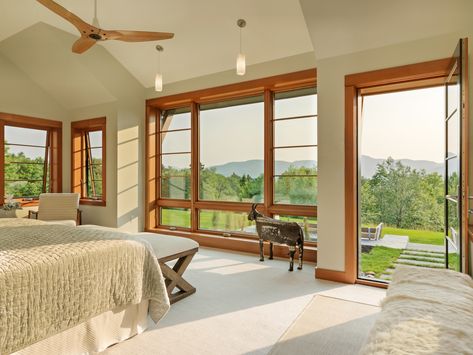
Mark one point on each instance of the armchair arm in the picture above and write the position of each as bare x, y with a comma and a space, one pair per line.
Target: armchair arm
32, 214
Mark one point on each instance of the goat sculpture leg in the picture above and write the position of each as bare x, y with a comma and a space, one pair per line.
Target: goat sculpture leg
301, 253
292, 251
261, 254
270, 250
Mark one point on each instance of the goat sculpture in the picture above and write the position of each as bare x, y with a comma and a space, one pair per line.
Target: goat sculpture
280, 232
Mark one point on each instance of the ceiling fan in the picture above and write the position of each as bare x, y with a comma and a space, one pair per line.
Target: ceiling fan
91, 34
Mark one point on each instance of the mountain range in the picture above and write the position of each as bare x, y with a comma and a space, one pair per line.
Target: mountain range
254, 168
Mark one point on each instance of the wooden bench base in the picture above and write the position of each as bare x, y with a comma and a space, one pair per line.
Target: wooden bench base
173, 276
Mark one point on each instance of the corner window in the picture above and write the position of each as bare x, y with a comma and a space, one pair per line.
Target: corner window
31, 158
88, 160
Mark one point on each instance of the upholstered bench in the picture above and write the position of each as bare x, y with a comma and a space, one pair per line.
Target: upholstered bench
168, 249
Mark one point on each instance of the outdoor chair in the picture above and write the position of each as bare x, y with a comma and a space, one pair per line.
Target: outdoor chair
372, 233
60, 208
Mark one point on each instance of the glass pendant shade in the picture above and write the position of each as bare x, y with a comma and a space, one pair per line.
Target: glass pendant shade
158, 82
241, 64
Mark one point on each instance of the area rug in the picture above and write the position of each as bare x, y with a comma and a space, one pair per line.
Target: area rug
328, 326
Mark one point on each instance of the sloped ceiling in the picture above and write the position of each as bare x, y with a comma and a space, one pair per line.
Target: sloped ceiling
40, 51
206, 35
339, 27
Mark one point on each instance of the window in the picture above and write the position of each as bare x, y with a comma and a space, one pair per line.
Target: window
212, 153
31, 157
175, 134
88, 160
295, 147
232, 159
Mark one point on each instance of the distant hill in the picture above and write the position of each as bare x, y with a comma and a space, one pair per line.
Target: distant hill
368, 165
254, 168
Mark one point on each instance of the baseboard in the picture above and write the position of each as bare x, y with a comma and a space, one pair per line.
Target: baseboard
332, 275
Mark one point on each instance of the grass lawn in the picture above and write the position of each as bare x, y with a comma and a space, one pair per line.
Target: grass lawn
379, 259
417, 236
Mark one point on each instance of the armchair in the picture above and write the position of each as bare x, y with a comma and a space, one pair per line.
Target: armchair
62, 208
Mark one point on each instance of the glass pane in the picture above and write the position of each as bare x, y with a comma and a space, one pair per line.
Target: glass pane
295, 161
301, 131
295, 190
176, 163
308, 224
232, 150
175, 119
175, 217
176, 142
295, 106
453, 94
25, 136
19, 153
453, 127
453, 181
23, 189
24, 171
96, 155
226, 221
97, 171
95, 138
178, 187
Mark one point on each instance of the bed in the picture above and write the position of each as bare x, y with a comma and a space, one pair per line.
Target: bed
67, 289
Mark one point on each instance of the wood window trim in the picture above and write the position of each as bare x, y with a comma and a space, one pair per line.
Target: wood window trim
408, 76
77, 130
266, 87
54, 129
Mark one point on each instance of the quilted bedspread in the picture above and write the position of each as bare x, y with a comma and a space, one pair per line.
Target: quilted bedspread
53, 277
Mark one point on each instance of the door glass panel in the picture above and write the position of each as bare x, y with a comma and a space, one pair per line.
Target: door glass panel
453, 181
453, 128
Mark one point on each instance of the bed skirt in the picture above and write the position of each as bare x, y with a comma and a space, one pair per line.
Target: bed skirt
96, 334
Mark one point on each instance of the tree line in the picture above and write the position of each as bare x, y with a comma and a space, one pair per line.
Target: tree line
403, 197
294, 186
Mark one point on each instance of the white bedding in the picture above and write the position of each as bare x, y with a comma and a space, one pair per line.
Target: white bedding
54, 277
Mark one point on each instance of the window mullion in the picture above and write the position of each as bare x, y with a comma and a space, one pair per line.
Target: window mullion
268, 149
195, 165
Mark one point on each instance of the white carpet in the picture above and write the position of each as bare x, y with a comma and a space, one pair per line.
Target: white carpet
328, 326
241, 306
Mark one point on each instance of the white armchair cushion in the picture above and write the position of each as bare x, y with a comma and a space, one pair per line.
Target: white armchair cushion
58, 206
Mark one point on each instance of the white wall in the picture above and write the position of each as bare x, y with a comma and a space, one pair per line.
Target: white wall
331, 100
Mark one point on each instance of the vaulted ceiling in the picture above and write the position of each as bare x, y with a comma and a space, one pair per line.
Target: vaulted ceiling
206, 36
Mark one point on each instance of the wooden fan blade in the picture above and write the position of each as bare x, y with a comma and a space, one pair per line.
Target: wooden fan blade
83, 44
65, 14
138, 36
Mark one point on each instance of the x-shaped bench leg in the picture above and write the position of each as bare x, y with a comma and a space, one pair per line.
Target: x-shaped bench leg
174, 278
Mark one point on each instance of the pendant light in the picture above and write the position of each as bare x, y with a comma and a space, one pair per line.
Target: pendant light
158, 80
241, 63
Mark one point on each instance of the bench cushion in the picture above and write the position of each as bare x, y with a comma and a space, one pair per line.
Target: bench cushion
167, 245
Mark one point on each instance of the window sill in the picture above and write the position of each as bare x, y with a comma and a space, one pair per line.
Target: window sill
245, 245
89, 202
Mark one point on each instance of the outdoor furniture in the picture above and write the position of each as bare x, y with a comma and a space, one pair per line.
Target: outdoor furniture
372, 233
168, 249
61, 208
